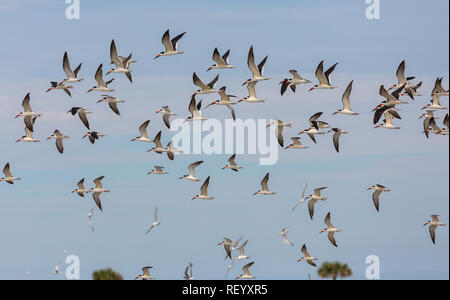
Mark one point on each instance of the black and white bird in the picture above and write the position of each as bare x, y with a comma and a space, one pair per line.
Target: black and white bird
71, 76
378, 188
346, 110
293, 82
121, 66
9, 178
102, 86
112, 102
59, 137
257, 71
324, 77
330, 229
205, 88
81, 113
167, 113
28, 114
434, 223
170, 45
221, 61
336, 136
93, 136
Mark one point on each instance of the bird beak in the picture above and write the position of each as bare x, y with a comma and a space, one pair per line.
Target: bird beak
425, 224
49, 90
256, 193
149, 150
300, 260
209, 69
335, 113
16, 116
133, 140
85, 136
244, 83
109, 72
224, 167
90, 90
424, 107
19, 140
313, 88
269, 125
157, 56
73, 191
49, 138
158, 112
101, 100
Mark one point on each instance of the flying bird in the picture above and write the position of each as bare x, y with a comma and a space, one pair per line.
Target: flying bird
279, 125
378, 188
314, 198
97, 191
191, 175
251, 98
28, 114
336, 136
9, 178
264, 187
93, 136
81, 189
232, 164
225, 100
71, 76
283, 235
102, 86
144, 135
165, 110
307, 257
330, 229
112, 102
204, 191
59, 137
221, 61
155, 221
296, 144
170, 45
292, 82
324, 77
158, 170
303, 199
434, 223
60, 86
122, 66
246, 270
145, 274
28, 137
188, 272
204, 88
257, 71
194, 109
90, 215
346, 102
81, 113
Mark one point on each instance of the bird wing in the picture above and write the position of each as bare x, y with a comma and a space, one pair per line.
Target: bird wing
346, 96
113, 106
167, 42
99, 77
176, 39
143, 129
204, 188
98, 182
96, 197
199, 83
264, 182
26, 103
376, 199
192, 167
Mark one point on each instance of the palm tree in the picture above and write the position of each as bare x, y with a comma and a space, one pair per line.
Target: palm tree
334, 270
106, 274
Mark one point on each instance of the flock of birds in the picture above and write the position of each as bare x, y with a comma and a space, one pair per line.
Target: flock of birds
386, 111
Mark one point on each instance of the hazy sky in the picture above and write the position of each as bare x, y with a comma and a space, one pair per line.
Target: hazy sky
39, 217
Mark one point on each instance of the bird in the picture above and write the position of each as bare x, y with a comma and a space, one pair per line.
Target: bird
229, 246
438, 89
388, 121
97, 191
279, 125
191, 175
241, 255
257, 71
188, 272
426, 121
112, 102
60, 86
225, 100
434, 223
283, 234
170, 45
204, 191
296, 144
81, 189
330, 229
9, 178
346, 102
264, 187
122, 66
158, 171
336, 136
314, 198
59, 137
93, 136
102, 86
379, 112
446, 124
204, 88
324, 78
393, 98
28, 137
403, 81
232, 164
378, 188
194, 109
143, 130
145, 274
170, 149
303, 199
81, 113
414, 90
165, 110
27, 113
307, 257
431, 123
435, 103
155, 221
246, 270
292, 82
57, 271
251, 98
315, 122
90, 215
221, 61
72, 76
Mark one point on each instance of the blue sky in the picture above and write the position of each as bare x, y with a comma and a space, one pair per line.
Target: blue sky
39, 217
